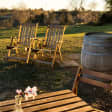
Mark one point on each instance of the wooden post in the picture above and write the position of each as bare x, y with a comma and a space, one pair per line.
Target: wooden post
76, 81
29, 51
54, 58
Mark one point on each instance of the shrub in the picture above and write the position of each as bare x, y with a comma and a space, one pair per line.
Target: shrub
51, 18
38, 19
105, 18
21, 16
69, 19
6, 23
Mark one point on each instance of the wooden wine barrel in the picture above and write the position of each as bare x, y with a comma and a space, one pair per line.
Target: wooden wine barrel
96, 53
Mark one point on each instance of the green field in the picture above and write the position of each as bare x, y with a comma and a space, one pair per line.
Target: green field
18, 75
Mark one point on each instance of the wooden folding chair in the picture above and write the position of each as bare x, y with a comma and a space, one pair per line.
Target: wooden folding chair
51, 45
20, 47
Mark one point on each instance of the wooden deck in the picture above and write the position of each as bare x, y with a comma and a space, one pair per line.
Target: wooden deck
59, 101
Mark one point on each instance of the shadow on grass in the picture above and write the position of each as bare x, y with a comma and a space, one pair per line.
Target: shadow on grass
96, 96
16, 75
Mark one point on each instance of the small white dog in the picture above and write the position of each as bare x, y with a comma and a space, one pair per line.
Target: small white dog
30, 92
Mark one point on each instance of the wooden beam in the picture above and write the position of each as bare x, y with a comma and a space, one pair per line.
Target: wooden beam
82, 109
16, 58
98, 74
68, 107
44, 62
96, 83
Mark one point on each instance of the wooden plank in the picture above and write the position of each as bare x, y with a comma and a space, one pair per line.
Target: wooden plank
66, 107
82, 109
48, 37
52, 104
50, 99
67, 91
44, 95
36, 31
47, 50
40, 101
97, 111
7, 102
44, 62
53, 41
96, 83
23, 34
16, 58
98, 74
19, 34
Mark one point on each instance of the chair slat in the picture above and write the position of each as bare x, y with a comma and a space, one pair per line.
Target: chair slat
97, 74
28, 31
96, 83
50, 105
55, 34
77, 103
82, 109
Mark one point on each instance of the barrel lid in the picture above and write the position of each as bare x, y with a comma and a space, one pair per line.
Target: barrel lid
100, 35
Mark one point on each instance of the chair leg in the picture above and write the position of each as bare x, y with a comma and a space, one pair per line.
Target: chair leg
76, 81
9, 52
42, 52
60, 54
35, 56
17, 51
50, 53
28, 57
53, 61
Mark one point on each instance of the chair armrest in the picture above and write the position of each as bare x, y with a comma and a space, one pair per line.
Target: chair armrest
58, 42
37, 39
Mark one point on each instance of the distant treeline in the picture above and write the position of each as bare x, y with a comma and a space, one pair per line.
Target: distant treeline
16, 17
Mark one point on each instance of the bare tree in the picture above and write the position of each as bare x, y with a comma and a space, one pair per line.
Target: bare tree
73, 5
81, 8
20, 6
93, 5
109, 4
77, 4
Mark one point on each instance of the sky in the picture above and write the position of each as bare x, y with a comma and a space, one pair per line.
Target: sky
50, 4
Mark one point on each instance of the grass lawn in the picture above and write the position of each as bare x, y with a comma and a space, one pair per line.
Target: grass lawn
18, 75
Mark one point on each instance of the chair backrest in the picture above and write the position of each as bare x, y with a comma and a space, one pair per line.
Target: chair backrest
54, 35
98, 79
26, 33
